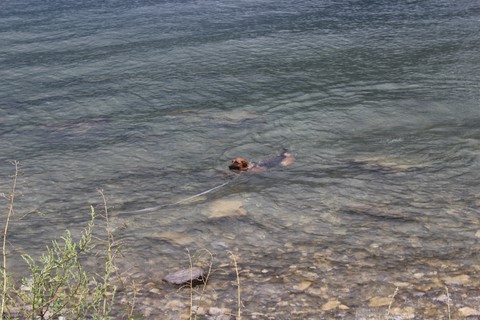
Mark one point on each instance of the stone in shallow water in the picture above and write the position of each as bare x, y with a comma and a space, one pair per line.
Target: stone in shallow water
226, 208
302, 286
185, 276
332, 304
401, 284
175, 238
379, 302
468, 312
219, 311
458, 280
402, 313
443, 298
175, 304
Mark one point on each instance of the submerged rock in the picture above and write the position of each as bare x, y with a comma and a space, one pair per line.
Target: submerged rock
402, 313
330, 305
185, 276
468, 312
219, 311
175, 238
387, 164
379, 302
226, 208
457, 280
302, 286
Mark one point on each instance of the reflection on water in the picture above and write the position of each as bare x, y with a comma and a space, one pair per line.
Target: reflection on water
378, 103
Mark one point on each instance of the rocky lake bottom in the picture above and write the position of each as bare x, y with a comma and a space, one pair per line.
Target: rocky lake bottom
296, 280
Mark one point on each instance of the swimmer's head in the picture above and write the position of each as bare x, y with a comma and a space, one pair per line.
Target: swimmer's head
240, 164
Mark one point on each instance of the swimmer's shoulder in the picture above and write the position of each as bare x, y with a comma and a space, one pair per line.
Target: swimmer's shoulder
283, 159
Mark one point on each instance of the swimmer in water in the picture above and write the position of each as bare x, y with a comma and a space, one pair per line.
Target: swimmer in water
240, 164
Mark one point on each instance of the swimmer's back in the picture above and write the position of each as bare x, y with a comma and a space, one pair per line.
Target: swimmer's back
284, 159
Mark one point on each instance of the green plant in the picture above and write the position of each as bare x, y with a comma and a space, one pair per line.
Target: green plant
239, 299
109, 266
448, 304
58, 284
392, 300
193, 312
11, 198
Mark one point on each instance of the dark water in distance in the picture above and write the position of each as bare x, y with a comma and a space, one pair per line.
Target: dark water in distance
149, 100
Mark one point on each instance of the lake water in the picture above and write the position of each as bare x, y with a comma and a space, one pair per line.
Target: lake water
379, 102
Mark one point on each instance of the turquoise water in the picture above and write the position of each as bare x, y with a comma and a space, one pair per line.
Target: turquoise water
378, 102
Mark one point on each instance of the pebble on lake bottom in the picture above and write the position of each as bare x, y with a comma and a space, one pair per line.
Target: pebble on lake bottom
185, 276
379, 302
402, 313
457, 280
302, 286
468, 312
330, 305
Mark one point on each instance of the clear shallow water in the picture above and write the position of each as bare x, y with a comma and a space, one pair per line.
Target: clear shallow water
378, 102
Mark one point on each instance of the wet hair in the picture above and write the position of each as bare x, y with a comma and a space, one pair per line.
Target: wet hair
239, 164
